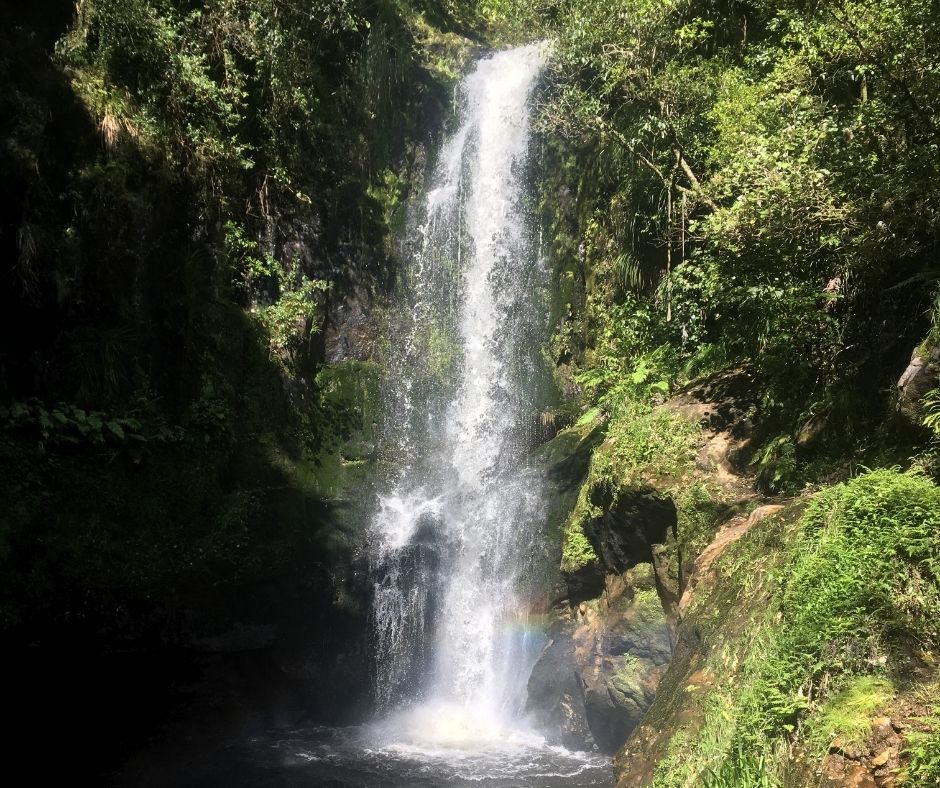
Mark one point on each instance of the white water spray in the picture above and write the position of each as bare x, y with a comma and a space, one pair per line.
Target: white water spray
454, 540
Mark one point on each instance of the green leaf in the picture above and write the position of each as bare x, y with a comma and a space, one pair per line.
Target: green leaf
587, 417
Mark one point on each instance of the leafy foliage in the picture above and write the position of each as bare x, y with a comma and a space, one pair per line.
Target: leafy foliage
923, 750
844, 596
190, 188
70, 425
746, 185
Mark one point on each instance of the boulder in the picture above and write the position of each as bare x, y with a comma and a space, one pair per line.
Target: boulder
630, 651
598, 674
839, 772
555, 695
921, 376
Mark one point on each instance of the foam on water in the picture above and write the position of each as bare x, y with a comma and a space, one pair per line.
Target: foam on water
358, 757
437, 726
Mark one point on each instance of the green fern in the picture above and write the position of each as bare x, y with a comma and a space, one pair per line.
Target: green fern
932, 411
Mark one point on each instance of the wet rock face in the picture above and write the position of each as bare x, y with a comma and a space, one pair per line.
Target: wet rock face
624, 535
555, 690
352, 332
609, 641
628, 651
564, 461
598, 674
408, 586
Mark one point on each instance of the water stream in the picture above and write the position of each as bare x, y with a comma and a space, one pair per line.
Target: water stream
453, 537
456, 539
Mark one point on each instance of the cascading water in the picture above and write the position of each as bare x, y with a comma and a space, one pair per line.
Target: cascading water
455, 542
453, 539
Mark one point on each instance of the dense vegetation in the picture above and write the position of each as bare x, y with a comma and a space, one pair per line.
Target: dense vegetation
837, 605
190, 190
742, 200
749, 186
189, 187
741, 192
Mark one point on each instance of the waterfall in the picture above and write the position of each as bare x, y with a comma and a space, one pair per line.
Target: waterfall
453, 542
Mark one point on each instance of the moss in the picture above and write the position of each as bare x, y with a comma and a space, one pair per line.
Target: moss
576, 550
647, 609
642, 445
626, 681
565, 461
699, 510
645, 444
808, 605
848, 713
566, 456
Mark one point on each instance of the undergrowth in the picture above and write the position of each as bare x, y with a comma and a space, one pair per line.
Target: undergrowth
814, 631
848, 713
643, 444
923, 749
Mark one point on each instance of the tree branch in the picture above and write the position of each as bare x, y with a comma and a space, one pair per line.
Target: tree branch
695, 186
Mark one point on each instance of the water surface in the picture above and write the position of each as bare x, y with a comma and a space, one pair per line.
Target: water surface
371, 757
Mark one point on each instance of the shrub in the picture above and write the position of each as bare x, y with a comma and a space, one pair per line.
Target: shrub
852, 589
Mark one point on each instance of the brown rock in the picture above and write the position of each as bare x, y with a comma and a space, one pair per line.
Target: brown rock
837, 772
919, 378
839, 746
762, 513
858, 777
882, 758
